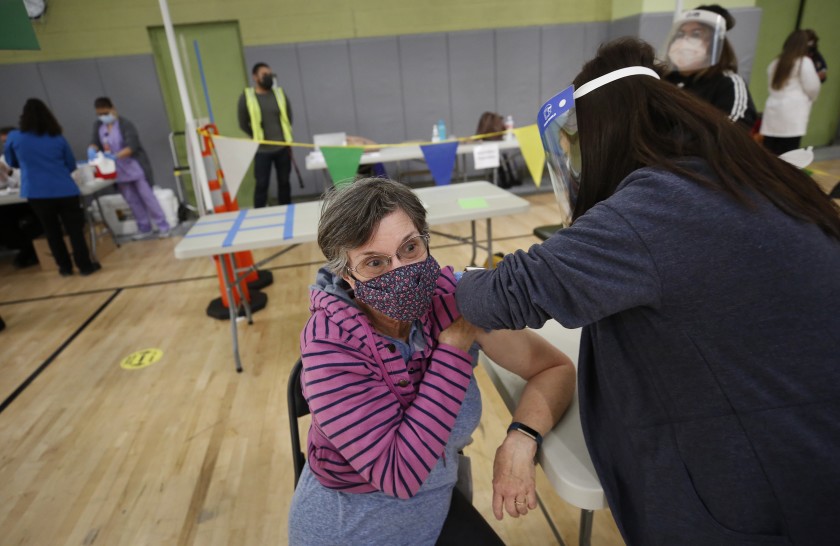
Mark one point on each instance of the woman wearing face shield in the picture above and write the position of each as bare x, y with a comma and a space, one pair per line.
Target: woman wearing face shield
701, 61
703, 271
388, 375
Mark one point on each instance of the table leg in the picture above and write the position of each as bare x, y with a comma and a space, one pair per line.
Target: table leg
474, 243
550, 521
585, 527
104, 221
92, 230
489, 243
245, 303
229, 276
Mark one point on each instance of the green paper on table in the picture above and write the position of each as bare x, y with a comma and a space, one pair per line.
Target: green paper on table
472, 203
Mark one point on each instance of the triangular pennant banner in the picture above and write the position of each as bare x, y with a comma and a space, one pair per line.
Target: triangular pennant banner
342, 162
531, 146
235, 156
441, 160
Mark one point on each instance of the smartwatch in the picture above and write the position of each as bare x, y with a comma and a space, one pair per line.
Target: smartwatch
527, 431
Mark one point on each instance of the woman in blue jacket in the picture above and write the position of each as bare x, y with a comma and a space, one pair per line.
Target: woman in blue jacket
45, 162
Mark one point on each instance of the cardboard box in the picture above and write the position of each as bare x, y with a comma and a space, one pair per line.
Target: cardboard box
104, 246
121, 219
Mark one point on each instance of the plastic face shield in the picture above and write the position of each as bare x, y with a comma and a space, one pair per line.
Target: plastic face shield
558, 125
695, 41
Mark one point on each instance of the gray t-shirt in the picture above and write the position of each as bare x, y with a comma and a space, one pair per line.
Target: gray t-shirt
270, 113
272, 129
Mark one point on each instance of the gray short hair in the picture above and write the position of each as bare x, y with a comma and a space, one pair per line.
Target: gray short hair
351, 213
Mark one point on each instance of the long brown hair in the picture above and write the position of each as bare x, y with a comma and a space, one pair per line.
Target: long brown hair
640, 122
796, 46
37, 118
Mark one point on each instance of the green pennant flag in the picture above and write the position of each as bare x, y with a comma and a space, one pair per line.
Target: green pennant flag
342, 162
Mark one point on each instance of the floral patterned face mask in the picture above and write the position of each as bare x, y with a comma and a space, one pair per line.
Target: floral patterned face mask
404, 293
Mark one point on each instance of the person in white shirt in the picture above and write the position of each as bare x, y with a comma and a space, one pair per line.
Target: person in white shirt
794, 86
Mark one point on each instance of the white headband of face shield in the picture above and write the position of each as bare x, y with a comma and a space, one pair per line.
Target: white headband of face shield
610, 77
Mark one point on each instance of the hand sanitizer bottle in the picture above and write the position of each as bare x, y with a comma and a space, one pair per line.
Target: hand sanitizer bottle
508, 127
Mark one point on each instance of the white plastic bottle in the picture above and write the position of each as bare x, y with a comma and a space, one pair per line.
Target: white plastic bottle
435, 133
508, 127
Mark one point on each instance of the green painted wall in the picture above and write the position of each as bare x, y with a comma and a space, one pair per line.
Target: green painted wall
778, 19
95, 28
626, 8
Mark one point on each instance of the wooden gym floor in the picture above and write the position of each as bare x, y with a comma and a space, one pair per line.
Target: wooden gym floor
186, 451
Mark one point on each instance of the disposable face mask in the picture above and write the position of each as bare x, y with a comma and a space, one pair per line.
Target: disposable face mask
688, 54
107, 119
267, 81
404, 293
696, 41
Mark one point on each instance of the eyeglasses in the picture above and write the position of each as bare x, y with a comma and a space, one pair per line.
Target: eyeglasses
411, 251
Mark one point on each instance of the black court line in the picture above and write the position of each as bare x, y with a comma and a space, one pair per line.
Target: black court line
17, 392
208, 277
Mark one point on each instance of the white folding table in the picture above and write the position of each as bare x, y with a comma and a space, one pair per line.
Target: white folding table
563, 455
406, 152
389, 154
287, 226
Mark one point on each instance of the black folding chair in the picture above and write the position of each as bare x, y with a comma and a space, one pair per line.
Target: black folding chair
297, 409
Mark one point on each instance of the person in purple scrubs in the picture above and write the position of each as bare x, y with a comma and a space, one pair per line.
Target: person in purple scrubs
117, 137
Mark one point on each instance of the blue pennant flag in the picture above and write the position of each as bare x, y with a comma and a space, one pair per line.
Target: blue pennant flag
441, 160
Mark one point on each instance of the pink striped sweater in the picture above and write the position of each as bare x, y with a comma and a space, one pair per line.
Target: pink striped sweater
366, 435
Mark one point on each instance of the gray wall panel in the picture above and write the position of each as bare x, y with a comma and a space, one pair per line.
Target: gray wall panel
628, 26
328, 86
125, 82
423, 66
377, 89
744, 37
20, 82
561, 57
472, 76
518, 74
71, 87
595, 34
654, 28
283, 60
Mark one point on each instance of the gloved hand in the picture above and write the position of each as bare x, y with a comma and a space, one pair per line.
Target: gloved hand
91, 153
111, 156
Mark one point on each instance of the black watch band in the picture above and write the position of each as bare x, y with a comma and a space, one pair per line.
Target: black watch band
527, 431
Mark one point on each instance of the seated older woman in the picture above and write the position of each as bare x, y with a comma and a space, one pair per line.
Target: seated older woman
388, 374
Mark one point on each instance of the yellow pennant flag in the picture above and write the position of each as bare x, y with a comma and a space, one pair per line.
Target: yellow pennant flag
532, 150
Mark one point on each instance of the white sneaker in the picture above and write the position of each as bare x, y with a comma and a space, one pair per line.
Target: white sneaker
139, 236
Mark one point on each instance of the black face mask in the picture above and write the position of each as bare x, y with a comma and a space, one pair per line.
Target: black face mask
266, 81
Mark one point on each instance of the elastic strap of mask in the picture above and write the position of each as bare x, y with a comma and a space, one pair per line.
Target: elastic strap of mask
612, 76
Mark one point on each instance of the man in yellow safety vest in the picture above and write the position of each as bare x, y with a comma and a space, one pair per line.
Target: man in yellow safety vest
265, 115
